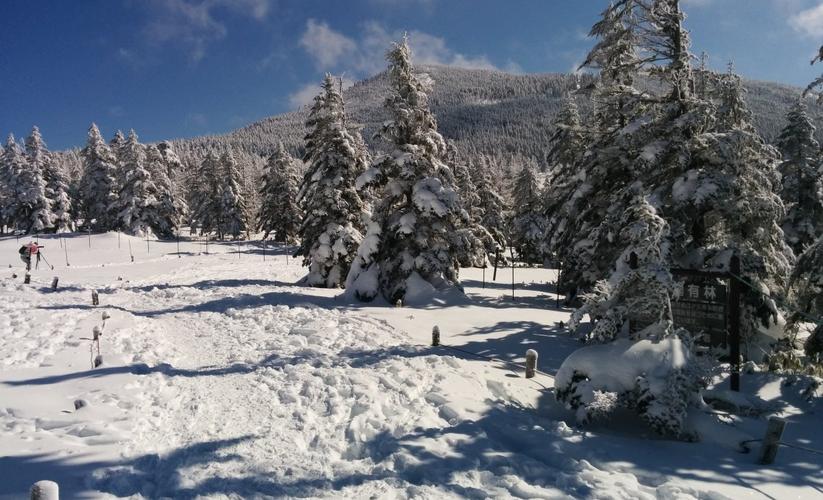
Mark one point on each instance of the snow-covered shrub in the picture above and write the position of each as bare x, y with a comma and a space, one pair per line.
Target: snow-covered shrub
330, 255
658, 379
806, 294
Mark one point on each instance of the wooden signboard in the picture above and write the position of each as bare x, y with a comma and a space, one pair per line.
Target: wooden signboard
700, 306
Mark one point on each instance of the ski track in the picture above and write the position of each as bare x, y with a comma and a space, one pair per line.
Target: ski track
257, 400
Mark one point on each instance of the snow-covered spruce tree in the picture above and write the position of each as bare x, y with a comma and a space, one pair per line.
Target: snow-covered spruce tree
136, 204
5, 191
818, 82
492, 211
802, 191
166, 208
57, 183
806, 292
467, 240
732, 111
632, 296
33, 208
717, 184
174, 209
279, 212
568, 142
528, 224
330, 230
408, 244
97, 185
57, 191
207, 195
232, 205
581, 225
14, 163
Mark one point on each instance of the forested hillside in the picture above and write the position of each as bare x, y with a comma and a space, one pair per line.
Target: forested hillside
482, 111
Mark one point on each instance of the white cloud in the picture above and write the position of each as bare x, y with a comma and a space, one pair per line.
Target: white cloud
325, 45
332, 50
357, 58
809, 22
195, 23
196, 120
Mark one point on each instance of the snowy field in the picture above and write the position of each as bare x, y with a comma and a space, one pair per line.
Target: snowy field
222, 378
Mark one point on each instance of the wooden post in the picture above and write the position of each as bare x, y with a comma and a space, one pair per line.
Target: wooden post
264, 250
484, 275
435, 336
45, 490
771, 441
27, 279
118, 238
54, 283
511, 252
147, 242
95, 298
734, 323
557, 285
66, 251
496, 258
531, 363
89, 237
178, 243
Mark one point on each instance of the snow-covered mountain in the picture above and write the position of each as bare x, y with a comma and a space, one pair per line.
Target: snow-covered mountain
482, 110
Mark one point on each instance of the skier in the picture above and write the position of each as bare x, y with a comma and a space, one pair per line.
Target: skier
26, 253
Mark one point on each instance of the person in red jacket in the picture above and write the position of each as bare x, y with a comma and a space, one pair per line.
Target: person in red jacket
29, 251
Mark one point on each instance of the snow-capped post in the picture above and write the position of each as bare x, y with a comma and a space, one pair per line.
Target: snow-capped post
54, 283
771, 441
435, 336
531, 363
95, 298
399, 303
734, 322
45, 490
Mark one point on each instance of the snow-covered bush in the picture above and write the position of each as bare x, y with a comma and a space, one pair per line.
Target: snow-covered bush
658, 379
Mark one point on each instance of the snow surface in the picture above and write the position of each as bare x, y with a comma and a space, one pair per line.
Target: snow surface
222, 378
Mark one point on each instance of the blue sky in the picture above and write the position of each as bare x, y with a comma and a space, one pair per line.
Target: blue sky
180, 68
